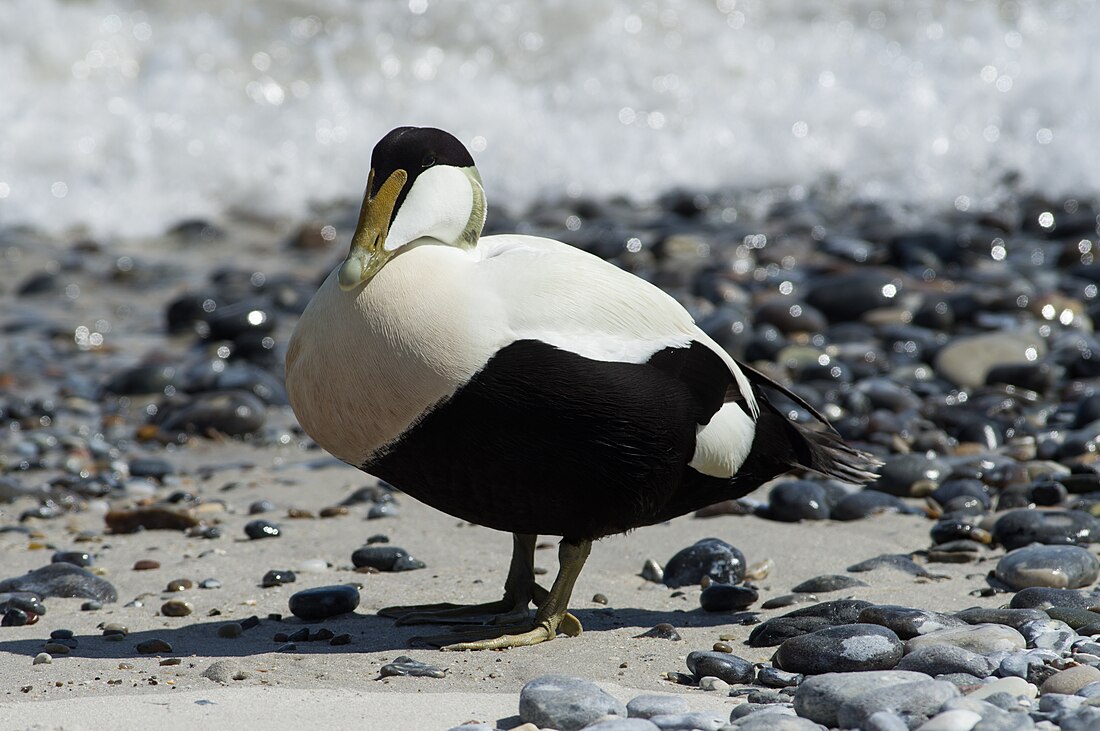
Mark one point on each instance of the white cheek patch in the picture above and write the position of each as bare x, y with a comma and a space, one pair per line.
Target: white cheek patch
438, 206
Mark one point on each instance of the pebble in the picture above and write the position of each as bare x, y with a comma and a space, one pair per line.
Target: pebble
901, 472
992, 615
278, 577
696, 721
224, 671
622, 724
828, 583
907, 622
405, 665
1018, 528
796, 500
865, 503
151, 518
153, 646
712, 683
76, 558
726, 598
662, 631
1013, 686
1041, 597
565, 703
42, 658
967, 360
647, 706
980, 638
774, 722
56, 648
146, 564
323, 602
1059, 567
711, 557
842, 648
1070, 680
176, 608
232, 413
729, 668
773, 677
63, 580
230, 631
946, 659
916, 702
896, 561
820, 697
257, 529
385, 558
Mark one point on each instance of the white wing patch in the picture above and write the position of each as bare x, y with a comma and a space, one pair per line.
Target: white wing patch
722, 445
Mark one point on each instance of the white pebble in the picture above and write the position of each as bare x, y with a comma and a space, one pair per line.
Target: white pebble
958, 720
140, 488
709, 682
43, 658
1013, 686
312, 566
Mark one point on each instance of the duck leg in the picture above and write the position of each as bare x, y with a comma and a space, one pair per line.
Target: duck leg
552, 616
520, 590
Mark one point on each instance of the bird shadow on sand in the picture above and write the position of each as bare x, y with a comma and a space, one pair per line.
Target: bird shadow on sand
368, 632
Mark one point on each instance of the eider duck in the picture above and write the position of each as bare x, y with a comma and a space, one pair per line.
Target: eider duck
521, 384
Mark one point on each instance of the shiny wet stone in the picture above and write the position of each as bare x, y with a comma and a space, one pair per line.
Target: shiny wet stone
1018, 528
257, 529
385, 558
1041, 597
907, 622
726, 598
76, 558
176, 608
565, 703
323, 602
797, 500
405, 665
853, 647
62, 580
827, 583
724, 666
233, 413
901, 472
278, 577
1059, 567
865, 503
711, 557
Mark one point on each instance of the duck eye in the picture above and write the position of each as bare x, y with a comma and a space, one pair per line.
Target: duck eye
429, 160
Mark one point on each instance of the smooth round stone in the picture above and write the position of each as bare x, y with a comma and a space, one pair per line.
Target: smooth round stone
1016, 687
827, 583
866, 503
233, 413
840, 649
772, 677
806, 619
1019, 528
915, 702
819, 697
568, 704
697, 721
959, 719
278, 577
210, 584
979, 638
775, 722
647, 706
897, 561
1049, 634
907, 622
312, 566
176, 608
1058, 567
263, 505
385, 558
900, 472
798, 500
967, 360
42, 658
711, 683
1070, 680
848, 296
1041, 597
998, 615
947, 659
76, 558
711, 557
230, 631
257, 529
62, 580
615, 724
726, 598
954, 489
730, 668
323, 602
406, 666
56, 648
180, 585
151, 646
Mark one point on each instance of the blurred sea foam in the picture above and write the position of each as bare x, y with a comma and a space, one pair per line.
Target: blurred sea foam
123, 118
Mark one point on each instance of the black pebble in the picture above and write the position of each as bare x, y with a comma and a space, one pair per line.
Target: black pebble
662, 631
76, 558
726, 598
827, 583
405, 665
277, 577
708, 557
323, 602
721, 665
256, 529
385, 558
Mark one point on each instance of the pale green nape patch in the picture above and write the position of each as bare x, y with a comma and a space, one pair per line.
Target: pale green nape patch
478, 210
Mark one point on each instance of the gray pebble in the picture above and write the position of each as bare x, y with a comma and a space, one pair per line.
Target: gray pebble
623, 724
943, 659
568, 704
62, 580
980, 638
907, 622
646, 706
774, 722
915, 702
1059, 567
1010, 617
839, 649
885, 721
773, 677
224, 671
42, 658
730, 668
818, 698
827, 583
1049, 634
698, 721
405, 665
